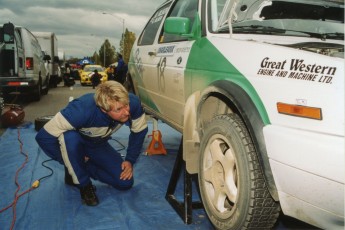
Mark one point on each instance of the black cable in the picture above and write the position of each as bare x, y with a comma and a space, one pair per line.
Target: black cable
51, 170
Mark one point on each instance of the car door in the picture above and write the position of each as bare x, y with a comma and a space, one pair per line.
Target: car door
19, 55
163, 63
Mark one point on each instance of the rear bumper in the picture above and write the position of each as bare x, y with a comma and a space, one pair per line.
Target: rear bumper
11, 84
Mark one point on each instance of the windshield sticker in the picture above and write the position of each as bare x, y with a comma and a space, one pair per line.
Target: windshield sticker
297, 69
159, 16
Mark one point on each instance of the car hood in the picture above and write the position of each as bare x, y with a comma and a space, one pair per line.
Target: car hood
246, 10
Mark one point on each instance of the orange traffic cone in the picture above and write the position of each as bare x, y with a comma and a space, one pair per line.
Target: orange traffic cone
156, 146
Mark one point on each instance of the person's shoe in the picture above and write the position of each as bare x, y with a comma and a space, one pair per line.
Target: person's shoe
88, 195
68, 178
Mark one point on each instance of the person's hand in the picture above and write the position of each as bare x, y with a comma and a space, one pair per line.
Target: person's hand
127, 170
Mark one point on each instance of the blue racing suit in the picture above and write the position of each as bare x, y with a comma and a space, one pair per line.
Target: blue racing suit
82, 130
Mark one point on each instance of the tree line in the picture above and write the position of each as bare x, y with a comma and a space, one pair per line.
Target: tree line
107, 53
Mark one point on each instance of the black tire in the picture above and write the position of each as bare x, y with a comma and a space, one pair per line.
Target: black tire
45, 90
128, 84
53, 82
41, 121
38, 91
232, 186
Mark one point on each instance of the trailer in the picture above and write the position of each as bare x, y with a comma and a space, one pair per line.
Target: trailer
49, 45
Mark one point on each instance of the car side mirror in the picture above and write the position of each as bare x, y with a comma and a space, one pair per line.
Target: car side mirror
183, 26
177, 25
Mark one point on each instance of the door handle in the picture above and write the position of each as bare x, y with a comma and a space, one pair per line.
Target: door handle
152, 53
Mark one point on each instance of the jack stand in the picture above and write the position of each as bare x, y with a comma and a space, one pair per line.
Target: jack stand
156, 145
184, 209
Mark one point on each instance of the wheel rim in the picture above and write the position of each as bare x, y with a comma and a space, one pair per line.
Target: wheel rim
220, 175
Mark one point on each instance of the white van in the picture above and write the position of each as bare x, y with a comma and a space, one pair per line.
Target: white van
18, 77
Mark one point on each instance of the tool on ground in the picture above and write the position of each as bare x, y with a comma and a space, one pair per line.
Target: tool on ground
156, 145
14, 115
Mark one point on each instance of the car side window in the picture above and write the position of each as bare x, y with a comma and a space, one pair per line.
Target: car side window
149, 33
184, 9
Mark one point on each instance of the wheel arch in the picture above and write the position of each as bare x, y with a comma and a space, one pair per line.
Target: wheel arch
223, 97
130, 84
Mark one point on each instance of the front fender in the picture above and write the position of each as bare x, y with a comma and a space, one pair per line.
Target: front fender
223, 97
191, 138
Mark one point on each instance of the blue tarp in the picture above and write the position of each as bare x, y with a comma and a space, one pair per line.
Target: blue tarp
54, 205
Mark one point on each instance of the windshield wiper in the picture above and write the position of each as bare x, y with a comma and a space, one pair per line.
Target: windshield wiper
337, 36
273, 30
322, 36
258, 29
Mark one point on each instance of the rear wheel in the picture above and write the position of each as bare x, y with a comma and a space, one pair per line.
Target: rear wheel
45, 90
232, 186
38, 91
128, 84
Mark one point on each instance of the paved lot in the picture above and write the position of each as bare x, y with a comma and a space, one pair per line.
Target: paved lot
54, 101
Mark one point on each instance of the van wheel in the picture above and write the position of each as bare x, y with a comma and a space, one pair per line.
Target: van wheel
232, 186
47, 86
41, 121
38, 92
128, 84
45, 91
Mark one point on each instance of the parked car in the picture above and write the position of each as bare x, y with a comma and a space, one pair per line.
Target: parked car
22, 64
87, 72
257, 90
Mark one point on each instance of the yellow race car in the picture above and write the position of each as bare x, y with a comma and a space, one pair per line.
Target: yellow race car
87, 72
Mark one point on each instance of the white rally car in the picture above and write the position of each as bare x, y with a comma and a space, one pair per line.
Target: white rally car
257, 90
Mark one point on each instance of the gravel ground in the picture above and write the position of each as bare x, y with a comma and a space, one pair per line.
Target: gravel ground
56, 99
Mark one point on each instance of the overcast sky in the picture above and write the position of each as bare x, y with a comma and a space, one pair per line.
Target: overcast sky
80, 25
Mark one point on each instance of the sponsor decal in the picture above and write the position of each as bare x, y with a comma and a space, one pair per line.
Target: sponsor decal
160, 73
297, 69
165, 51
138, 63
183, 50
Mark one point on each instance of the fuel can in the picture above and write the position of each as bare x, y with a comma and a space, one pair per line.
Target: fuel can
13, 116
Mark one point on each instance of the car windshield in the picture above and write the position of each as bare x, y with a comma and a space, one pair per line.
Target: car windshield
93, 68
322, 19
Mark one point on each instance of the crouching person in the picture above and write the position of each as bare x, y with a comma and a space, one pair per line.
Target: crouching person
78, 135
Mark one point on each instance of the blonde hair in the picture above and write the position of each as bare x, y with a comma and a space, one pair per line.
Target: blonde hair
109, 92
